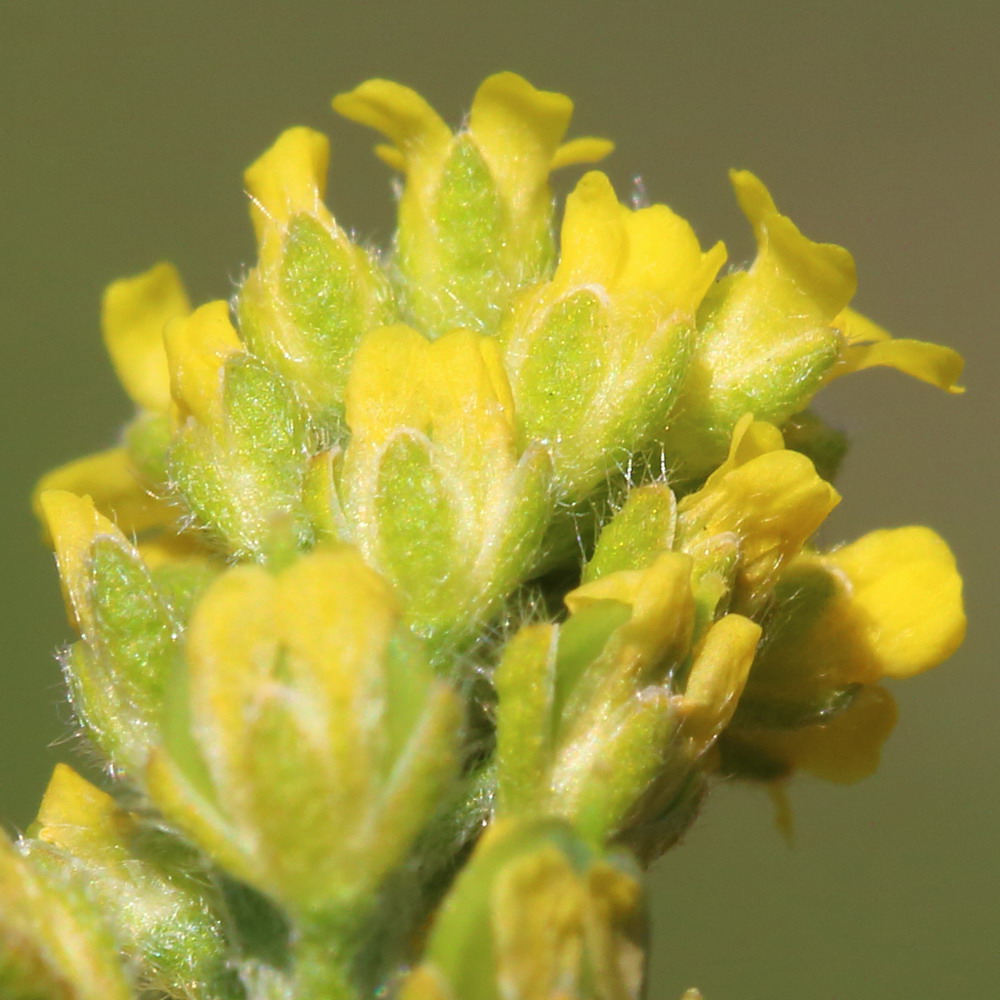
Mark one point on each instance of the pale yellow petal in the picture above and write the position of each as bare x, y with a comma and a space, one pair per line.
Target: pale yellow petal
197, 350
907, 590
109, 478
288, 179
134, 313
398, 112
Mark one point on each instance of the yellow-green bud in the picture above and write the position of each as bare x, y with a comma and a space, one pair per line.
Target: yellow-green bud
475, 212
153, 891
54, 944
322, 743
536, 913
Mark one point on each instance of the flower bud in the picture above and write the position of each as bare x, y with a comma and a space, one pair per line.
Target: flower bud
313, 293
585, 712
239, 452
311, 744
118, 673
433, 486
596, 355
476, 208
768, 498
53, 943
152, 890
536, 913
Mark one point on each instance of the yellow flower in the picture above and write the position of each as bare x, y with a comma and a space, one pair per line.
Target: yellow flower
886, 606
476, 207
134, 315
433, 487
596, 354
771, 336
768, 499
313, 293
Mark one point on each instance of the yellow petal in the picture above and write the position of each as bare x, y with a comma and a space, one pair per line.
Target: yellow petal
78, 817
906, 587
471, 409
652, 250
109, 478
718, 676
789, 264
593, 243
134, 314
518, 130
399, 113
870, 345
932, 363
858, 329
288, 179
197, 350
662, 607
666, 257
384, 389
335, 614
844, 750
74, 524
751, 439
586, 149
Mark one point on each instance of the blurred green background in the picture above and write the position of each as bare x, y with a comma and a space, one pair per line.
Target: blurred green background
125, 127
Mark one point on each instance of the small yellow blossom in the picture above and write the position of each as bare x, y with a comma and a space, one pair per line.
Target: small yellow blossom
768, 498
596, 354
476, 207
313, 293
434, 487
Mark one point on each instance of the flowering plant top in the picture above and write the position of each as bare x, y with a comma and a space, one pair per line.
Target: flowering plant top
431, 589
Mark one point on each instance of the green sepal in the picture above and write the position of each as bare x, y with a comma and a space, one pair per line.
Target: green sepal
305, 312
54, 944
417, 530
155, 892
240, 477
118, 677
641, 530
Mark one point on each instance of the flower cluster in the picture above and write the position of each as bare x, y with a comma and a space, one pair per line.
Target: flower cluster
430, 590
